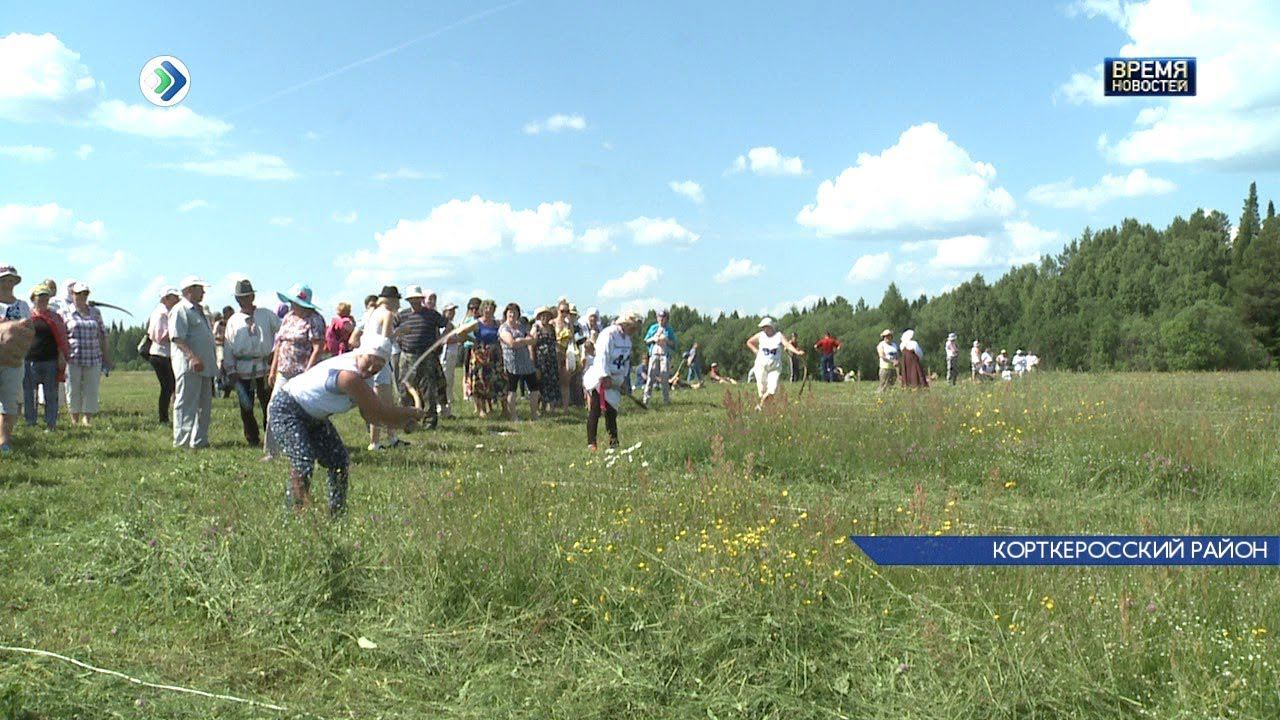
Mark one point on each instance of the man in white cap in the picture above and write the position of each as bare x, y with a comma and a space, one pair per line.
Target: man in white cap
159, 350
768, 345
953, 358
609, 370
194, 366
250, 335
661, 339
300, 412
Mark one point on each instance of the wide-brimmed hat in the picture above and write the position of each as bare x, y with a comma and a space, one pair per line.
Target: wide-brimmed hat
413, 291
243, 288
390, 292
9, 271
542, 310
886, 332
192, 281
299, 294
766, 322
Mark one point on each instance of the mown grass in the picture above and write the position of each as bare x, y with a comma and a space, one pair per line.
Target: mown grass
502, 571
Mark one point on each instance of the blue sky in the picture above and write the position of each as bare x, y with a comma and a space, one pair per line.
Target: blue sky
535, 149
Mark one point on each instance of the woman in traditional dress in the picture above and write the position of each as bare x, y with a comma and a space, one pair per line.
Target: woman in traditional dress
546, 358
912, 371
488, 385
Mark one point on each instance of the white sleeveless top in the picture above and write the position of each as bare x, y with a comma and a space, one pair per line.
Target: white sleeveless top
769, 356
316, 390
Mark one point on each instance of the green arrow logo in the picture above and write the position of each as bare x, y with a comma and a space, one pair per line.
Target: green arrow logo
165, 81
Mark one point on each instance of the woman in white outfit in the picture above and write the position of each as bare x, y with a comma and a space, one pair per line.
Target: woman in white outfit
768, 345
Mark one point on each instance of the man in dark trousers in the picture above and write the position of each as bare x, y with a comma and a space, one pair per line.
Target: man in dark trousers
827, 347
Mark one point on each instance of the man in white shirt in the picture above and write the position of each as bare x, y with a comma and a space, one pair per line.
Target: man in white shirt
194, 366
602, 381
246, 356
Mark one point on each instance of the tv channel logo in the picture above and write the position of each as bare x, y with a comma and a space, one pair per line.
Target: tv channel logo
1149, 76
164, 81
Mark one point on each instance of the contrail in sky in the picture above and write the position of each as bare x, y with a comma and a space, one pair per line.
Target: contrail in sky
378, 55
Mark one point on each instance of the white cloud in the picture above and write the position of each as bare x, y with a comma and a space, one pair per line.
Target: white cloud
596, 239
738, 269
84, 151
1234, 118
344, 218
768, 161
660, 231
108, 267
190, 205
556, 123
641, 305
464, 229
311, 136
924, 182
1084, 89
38, 224
1017, 243
150, 293
689, 189
964, 252
786, 306
1065, 194
869, 267
1111, 9
630, 283
1028, 242
27, 153
280, 221
41, 79
248, 166
906, 269
401, 174
149, 121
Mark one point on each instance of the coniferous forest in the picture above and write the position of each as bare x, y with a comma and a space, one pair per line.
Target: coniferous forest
1133, 297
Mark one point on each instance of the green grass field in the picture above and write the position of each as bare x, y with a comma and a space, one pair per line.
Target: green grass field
502, 571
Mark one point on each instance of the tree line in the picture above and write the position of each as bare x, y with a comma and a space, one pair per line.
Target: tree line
1193, 296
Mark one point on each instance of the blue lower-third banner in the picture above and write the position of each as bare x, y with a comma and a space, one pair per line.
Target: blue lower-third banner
1070, 549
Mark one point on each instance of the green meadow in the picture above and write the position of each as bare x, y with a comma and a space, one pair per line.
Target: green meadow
498, 570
